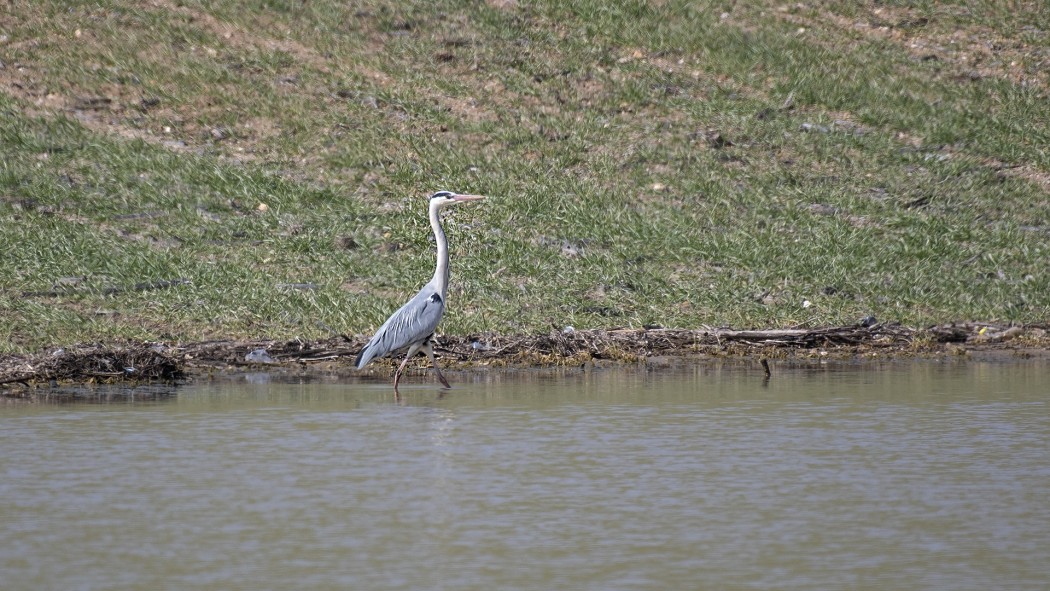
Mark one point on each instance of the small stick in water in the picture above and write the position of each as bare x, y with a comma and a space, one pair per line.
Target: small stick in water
765, 366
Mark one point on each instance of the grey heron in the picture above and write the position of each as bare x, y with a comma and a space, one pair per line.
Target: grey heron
411, 328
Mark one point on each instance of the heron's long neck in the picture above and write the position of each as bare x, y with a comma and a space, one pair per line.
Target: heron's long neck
441, 272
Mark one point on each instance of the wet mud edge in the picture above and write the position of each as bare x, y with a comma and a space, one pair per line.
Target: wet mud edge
149, 362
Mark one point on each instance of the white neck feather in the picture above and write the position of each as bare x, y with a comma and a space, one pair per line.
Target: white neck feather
441, 272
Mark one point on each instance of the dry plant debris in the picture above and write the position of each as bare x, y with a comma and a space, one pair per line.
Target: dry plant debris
93, 363
152, 362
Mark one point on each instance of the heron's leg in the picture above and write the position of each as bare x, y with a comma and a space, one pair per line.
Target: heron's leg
401, 368
397, 374
429, 349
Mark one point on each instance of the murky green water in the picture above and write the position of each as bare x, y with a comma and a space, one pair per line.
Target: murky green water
900, 476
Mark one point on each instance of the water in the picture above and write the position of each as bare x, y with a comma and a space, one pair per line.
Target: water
907, 475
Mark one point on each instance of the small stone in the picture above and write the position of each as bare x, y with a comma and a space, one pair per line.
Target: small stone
258, 356
346, 243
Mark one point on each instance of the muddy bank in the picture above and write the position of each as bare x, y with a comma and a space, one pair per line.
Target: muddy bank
173, 362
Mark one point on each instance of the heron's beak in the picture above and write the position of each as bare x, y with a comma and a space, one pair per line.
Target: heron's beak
468, 197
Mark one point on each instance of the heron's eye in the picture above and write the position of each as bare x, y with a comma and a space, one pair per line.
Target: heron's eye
442, 194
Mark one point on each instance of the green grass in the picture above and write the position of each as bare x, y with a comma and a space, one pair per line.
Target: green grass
918, 194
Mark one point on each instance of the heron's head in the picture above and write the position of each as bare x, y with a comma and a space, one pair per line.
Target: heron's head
442, 198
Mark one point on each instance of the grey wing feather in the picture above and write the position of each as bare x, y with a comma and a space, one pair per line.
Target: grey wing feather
414, 322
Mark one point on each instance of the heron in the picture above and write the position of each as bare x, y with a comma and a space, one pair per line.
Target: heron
411, 328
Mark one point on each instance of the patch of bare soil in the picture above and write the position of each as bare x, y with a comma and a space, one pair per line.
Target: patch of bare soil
22, 375
125, 110
969, 53
965, 55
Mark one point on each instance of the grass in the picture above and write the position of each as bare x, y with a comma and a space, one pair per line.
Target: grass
673, 163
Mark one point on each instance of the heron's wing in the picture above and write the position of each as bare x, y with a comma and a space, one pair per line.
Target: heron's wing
414, 322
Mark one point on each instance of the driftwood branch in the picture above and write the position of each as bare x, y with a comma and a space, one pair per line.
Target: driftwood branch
617, 343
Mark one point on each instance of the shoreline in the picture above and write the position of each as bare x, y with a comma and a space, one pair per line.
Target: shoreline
134, 363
